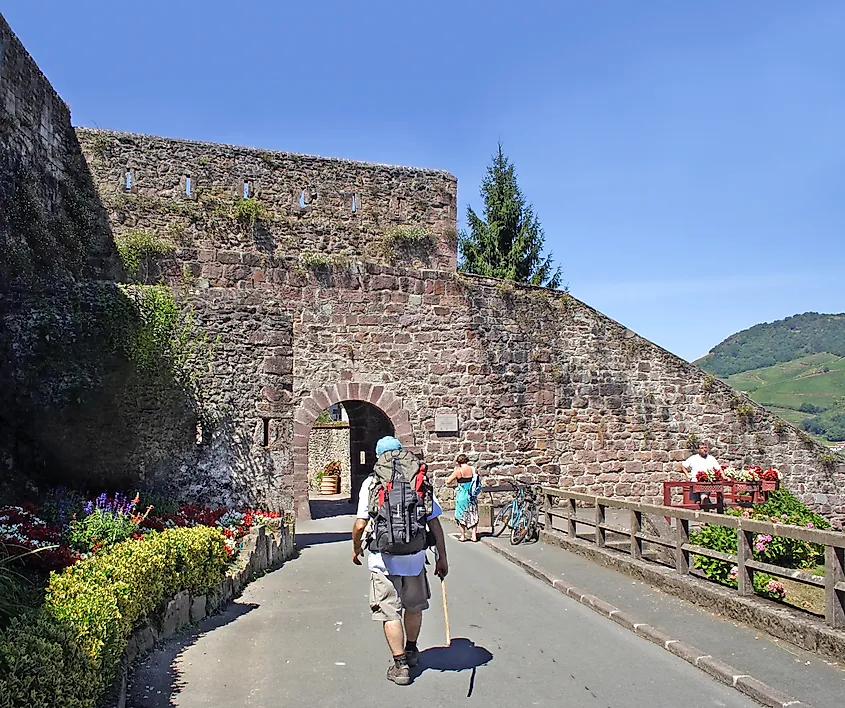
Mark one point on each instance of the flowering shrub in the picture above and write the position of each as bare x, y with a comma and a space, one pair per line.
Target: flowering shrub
107, 520
68, 651
750, 473
30, 541
332, 469
781, 508
95, 525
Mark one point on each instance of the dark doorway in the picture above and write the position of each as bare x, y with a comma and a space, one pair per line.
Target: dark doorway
366, 425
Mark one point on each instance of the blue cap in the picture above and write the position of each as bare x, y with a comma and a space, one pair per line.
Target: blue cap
387, 444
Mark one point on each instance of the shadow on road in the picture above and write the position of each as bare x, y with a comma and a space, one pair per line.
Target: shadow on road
157, 680
327, 508
306, 540
461, 655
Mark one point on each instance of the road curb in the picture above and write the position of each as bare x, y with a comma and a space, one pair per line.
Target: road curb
727, 674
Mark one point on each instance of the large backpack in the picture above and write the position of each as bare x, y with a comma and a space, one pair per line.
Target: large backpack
400, 503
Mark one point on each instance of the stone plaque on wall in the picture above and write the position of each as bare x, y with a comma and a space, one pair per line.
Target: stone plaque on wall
446, 423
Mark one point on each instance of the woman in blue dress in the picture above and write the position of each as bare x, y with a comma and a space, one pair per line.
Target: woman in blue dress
466, 504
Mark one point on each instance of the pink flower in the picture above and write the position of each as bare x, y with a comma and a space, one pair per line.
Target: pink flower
776, 588
810, 525
734, 573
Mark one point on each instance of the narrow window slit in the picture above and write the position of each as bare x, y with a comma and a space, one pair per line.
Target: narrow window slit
354, 204
188, 186
266, 437
127, 180
247, 190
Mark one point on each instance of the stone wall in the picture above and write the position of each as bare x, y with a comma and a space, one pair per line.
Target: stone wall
326, 443
544, 388
241, 451
314, 208
51, 222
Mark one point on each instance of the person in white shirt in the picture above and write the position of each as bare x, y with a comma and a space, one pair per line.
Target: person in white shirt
702, 461
399, 590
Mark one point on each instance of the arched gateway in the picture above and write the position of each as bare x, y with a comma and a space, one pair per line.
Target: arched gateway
377, 412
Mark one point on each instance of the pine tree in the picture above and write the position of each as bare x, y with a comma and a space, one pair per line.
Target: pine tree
508, 242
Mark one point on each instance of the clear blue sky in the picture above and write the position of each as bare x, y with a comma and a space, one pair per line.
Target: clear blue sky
686, 159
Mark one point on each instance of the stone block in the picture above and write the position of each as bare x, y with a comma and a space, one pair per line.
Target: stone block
763, 693
177, 614
198, 609
485, 516
278, 365
214, 598
686, 651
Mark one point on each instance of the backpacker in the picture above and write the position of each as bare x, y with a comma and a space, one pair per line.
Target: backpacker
400, 503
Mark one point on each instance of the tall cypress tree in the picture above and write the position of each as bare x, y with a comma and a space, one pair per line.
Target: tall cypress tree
508, 242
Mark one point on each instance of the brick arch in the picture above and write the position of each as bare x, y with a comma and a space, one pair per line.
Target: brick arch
315, 403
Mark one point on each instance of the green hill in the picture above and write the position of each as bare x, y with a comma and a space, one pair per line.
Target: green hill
777, 342
794, 367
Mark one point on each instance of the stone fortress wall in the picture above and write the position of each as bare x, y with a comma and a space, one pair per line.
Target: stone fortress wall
315, 298
543, 386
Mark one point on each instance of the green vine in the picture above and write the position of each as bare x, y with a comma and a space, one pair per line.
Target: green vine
139, 248
407, 239
247, 212
692, 441
827, 458
167, 337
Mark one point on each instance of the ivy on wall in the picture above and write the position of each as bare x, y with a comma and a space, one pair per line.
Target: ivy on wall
140, 251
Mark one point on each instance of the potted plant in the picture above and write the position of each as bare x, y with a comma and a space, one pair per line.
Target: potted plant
329, 478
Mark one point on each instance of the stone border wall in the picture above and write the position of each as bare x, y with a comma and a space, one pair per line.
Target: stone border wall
262, 550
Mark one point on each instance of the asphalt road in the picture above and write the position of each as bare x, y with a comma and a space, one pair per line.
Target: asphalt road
303, 636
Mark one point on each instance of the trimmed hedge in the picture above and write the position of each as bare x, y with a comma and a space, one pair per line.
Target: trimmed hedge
68, 651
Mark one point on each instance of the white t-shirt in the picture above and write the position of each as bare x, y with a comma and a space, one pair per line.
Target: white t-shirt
696, 463
384, 562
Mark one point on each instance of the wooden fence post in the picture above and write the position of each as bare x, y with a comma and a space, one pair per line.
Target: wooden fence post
601, 534
834, 597
636, 526
547, 510
681, 538
570, 526
745, 575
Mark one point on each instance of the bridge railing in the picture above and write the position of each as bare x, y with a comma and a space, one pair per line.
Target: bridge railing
560, 514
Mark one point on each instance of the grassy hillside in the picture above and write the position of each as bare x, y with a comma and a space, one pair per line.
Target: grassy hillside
770, 343
795, 367
808, 392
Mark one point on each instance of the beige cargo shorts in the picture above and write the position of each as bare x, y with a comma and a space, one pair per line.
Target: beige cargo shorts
390, 594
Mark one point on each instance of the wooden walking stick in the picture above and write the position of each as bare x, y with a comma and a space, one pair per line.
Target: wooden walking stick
445, 611
445, 604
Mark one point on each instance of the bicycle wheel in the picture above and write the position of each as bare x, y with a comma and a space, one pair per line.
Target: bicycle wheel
503, 519
523, 526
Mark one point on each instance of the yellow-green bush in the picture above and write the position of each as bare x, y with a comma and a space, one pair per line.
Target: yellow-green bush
68, 651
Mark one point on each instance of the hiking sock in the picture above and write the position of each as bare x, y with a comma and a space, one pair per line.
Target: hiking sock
410, 646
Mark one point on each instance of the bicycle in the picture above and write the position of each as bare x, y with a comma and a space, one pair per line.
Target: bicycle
520, 515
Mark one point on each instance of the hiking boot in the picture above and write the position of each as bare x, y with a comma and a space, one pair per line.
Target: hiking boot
399, 674
413, 656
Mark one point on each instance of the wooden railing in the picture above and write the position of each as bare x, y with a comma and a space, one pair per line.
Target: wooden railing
562, 504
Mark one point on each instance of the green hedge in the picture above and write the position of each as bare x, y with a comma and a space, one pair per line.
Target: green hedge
68, 651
